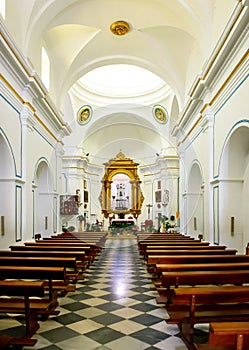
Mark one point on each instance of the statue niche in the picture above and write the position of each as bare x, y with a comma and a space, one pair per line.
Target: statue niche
121, 193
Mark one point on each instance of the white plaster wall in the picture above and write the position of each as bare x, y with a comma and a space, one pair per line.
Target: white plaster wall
11, 127
231, 206
234, 111
197, 151
27, 146
245, 207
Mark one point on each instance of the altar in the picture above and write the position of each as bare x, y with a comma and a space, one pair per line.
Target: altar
121, 225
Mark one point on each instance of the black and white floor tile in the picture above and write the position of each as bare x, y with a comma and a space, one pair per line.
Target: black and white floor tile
114, 307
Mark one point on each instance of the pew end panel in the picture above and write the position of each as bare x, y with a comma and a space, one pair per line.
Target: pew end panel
28, 298
192, 305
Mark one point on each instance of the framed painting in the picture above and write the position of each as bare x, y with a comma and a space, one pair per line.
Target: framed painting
85, 196
68, 205
158, 196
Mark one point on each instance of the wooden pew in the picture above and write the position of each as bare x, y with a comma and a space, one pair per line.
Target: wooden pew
172, 244
69, 264
97, 237
86, 247
163, 237
203, 267
182, 246
89, 255
149, 235
23, 297
81, 262
95, 247
172, 280
228, 334
85, 260
54, 277
8, 342
190, 252
161, 247
192, 305
191, 259
167, 239
159, 268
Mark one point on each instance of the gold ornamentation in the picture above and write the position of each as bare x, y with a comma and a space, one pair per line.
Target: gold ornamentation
120, 155
119, 28
160, 114
84, 114
121, 165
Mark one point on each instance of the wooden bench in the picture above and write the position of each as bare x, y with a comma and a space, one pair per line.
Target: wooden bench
81, 262
97, 237
229, 334
58, 247
149, 235
171, 280
9, 342
91, 250
203, 267
95, 247
21, 297
70, 265
54, 277
143, 245
192, 305
145, 248
153, 260
190, 252
187, 246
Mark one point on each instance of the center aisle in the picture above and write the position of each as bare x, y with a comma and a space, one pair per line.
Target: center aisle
113, 308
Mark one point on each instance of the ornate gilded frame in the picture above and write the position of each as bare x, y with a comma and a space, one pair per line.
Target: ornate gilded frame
117, 165
160, 114
84, 114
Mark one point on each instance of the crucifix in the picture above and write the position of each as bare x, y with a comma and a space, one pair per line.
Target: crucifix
149, 206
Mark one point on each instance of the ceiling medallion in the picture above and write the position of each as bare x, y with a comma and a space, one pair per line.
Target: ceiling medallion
119, 28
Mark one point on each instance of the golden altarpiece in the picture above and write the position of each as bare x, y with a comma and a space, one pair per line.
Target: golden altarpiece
121, 165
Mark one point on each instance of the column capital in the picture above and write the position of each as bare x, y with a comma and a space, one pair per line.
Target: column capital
27, 116
207, 118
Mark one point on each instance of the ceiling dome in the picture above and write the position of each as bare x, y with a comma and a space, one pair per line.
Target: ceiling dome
123, 81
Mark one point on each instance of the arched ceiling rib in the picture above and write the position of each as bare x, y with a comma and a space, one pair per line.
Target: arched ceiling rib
155, 29
170, 38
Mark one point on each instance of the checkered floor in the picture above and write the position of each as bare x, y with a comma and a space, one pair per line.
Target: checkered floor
113, 308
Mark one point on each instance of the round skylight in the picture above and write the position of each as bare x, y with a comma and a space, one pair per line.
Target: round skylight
121, 80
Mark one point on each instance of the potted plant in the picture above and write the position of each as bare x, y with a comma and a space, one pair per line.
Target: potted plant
165, 222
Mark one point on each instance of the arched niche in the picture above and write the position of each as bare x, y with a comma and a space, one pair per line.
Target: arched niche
194, 206
43, 201
121, 165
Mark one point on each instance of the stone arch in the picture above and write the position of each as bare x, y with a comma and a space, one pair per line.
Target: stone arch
8, 205
194, 211
234, 188
43, 199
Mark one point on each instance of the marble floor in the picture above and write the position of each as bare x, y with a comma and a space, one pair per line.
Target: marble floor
113, 308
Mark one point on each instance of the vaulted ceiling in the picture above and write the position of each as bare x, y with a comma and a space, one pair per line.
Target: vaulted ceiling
168, 42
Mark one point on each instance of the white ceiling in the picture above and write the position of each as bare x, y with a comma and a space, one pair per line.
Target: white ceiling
171, 39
